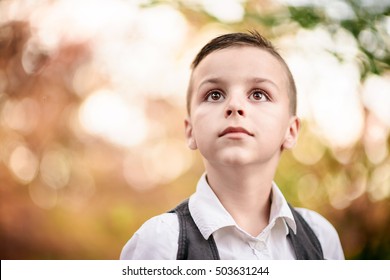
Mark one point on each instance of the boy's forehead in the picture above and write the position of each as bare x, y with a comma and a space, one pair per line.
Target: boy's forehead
239, 60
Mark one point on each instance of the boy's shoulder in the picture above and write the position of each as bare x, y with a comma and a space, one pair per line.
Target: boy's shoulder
325, 232
155, 239
316, 221
162, 223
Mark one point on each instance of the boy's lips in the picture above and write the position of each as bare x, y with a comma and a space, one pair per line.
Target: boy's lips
232, 129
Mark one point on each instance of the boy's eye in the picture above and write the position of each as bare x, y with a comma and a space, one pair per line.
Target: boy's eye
258, 95
214, 96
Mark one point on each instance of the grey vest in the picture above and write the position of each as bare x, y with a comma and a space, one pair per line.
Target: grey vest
193, 246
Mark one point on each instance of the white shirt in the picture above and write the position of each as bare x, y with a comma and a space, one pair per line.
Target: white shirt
158, 237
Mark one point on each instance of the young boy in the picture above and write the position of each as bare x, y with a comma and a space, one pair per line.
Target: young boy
241, 106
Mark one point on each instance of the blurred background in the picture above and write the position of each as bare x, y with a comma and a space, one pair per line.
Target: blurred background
92, 103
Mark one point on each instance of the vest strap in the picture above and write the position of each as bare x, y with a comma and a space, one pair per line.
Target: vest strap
192, 244
305, 243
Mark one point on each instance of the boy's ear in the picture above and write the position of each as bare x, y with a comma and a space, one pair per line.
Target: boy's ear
191, 143
292, 133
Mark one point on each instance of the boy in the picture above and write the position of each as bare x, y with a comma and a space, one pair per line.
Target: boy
241, 104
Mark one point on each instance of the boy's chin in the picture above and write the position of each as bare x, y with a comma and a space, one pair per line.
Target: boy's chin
235, 159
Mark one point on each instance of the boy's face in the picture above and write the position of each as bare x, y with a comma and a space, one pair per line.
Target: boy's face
240, 108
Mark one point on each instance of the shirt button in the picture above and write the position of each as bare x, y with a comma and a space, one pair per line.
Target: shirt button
260, 246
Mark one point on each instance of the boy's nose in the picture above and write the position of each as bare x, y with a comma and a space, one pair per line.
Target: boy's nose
230, 112
234, 109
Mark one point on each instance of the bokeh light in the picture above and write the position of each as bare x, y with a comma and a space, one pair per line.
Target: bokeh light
23, 164
105, 114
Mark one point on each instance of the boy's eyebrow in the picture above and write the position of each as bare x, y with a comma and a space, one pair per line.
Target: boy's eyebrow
262, 80
256, 80
209, 81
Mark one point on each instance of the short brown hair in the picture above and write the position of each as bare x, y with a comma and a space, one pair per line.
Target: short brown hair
253, 39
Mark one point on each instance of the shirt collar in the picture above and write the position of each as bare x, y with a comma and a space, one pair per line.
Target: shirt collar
209, 214
281, 209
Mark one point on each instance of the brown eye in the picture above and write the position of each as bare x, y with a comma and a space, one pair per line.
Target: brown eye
214, 96
258, 95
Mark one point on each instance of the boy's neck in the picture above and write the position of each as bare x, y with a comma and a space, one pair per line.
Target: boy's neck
245, 193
